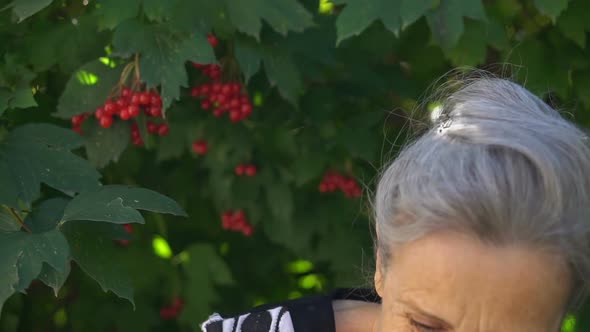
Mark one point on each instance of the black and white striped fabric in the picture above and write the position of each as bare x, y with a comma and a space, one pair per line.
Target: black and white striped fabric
308, 314
272, 320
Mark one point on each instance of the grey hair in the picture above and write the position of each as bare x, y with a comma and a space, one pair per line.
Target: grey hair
500, 164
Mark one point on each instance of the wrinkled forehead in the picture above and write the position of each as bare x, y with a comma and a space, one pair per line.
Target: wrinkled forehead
479, 287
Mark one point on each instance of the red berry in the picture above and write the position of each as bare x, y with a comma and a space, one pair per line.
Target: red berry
240, 170
121, 102
106, 121
235, 88
124, 114
250, 170
126, 92
123, 243
216, 87
128, 228
235, 115
218, 112
110, 108
239, 215
156, 100
212, 39
163, 130
248, 230
246, 109
99, 113
77, 120
77, 129
135, 98
205, 104
152, 128
145, 98
133, 110
226, 89
195, 92
155, 111
200, 147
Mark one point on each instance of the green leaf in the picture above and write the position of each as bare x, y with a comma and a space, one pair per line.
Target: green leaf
7, 221
119, 204
54, 278
248, 57
9, 190
551, 8
40, 153
24, 255
46, 216
79, 97
446, 21
282, 15
204, 269
93, 249
471, 49
541, 70
581, 80
22, 98
395, 15
25, 8
283, 73
104, 145
112, 12
164, 54
280, 201
5, 96
574, 23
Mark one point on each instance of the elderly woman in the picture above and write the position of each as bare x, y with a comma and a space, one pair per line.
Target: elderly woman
482, 226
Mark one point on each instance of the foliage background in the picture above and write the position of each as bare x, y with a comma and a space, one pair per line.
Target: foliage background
332, 85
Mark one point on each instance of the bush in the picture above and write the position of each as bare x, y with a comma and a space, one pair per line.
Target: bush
264, 120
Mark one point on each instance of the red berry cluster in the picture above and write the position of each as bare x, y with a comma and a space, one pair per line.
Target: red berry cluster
173, 310
213, 71
77, 121
129, 105
248, 170
129, 229
200, 147
333, 181
236, 221
224, 98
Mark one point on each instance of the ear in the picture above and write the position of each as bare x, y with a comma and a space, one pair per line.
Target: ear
379, 275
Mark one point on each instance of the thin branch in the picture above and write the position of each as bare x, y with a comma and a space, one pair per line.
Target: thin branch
20, 221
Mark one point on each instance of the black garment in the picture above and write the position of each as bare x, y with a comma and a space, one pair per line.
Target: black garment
308, 314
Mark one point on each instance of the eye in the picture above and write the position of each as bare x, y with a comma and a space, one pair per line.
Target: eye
424, 327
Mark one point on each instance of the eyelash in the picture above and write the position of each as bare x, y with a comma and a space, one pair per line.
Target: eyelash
423, 327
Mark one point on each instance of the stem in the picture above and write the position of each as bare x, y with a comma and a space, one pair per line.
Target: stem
19, 220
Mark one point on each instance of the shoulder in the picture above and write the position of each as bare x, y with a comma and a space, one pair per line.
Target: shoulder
271, 320
308, 314
301, 315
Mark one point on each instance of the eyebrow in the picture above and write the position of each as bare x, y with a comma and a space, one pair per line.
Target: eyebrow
414, 306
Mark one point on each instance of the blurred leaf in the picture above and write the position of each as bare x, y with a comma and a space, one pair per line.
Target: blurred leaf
283, 73
551, 8
7, 221
471, 49
54, 278
78, 98
39, 153
446, 21
248, 57
24, 255
105, 145
281, 15
112, 12
93, 249
119, 204
46, 215
395, 15
573, 22
280, 201
25, 8
163, 55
